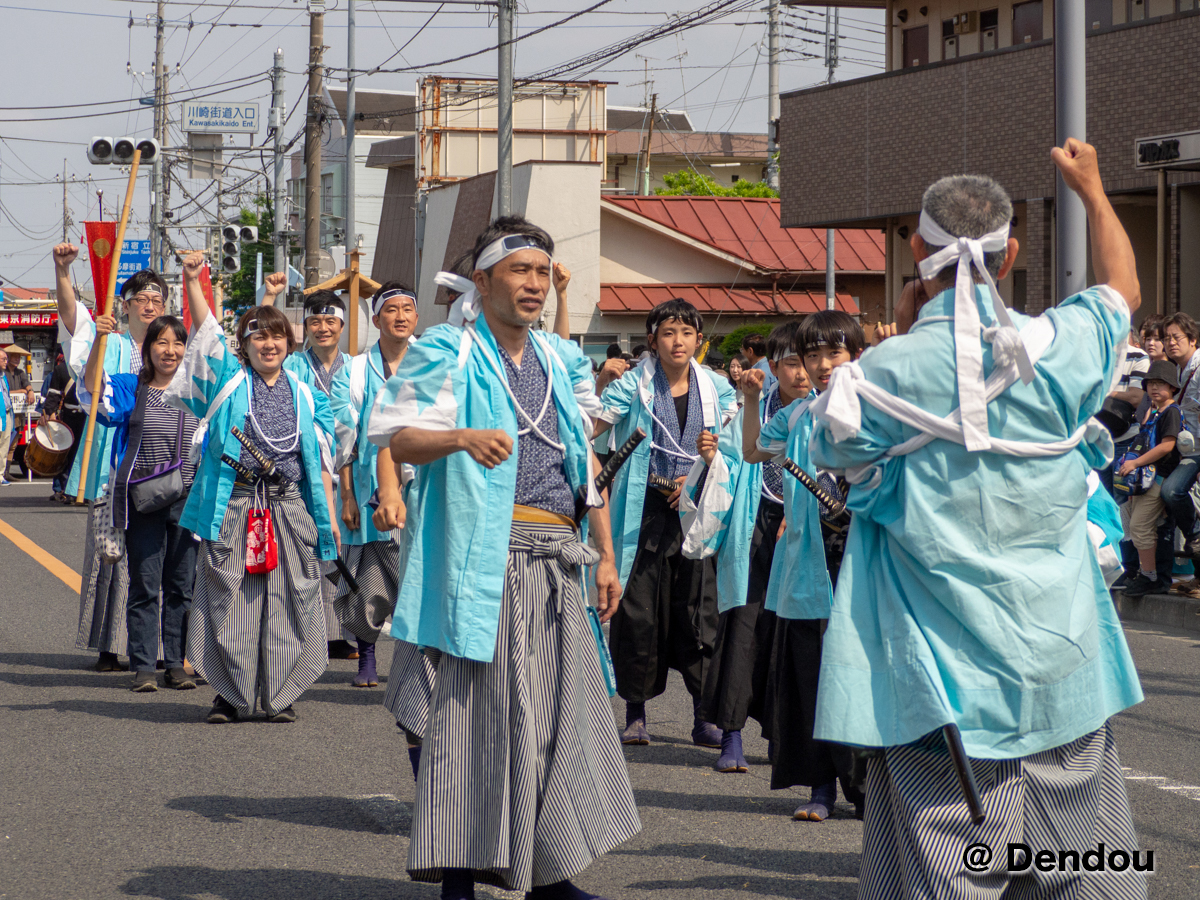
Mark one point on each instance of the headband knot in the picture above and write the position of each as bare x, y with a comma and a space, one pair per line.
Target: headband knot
1007, 346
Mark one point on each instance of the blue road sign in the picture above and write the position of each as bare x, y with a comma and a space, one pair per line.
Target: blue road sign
135, 256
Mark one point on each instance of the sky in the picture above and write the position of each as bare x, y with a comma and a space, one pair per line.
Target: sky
79, 52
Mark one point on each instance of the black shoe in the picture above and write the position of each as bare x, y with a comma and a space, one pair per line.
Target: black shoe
222, 711
284, 715
1140, 586
178, 678
342, 650
108, 662
1191, 547
144, 683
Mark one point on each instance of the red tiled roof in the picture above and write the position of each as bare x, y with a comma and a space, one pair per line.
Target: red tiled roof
623, 299
749, 229
12, 292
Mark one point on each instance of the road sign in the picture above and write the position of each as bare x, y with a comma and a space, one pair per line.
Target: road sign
219, 118
135, 256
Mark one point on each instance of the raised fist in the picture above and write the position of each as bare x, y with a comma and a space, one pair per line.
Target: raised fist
64, 255
192, 264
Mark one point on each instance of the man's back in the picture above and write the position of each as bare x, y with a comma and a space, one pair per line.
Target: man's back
975, 568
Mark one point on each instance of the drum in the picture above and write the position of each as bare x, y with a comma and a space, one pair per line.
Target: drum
50, 448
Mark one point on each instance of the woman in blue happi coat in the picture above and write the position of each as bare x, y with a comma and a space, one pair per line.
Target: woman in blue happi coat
257, 637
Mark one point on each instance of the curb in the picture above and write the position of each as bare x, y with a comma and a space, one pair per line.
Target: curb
1171, 610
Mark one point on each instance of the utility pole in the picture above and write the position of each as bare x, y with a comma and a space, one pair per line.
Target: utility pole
831, 61
66, 214
504, 124
312, 144
1070, 121
773, 95
280, 237
830, 253
644, 187
351, 241
160, 128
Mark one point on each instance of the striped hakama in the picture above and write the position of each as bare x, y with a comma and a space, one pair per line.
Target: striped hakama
376, 568
522, 777
333, 627
259, 637
103, 600
410, 687
1069, 798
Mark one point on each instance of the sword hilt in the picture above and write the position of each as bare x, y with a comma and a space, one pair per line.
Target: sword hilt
837, 509
662, 483
267, 469
604, 480
243, 472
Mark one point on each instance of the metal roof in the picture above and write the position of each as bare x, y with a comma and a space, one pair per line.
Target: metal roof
626, 299
749, 229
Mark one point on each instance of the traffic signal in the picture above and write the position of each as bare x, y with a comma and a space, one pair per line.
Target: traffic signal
231, 248
103, 151
100, 151
249, 234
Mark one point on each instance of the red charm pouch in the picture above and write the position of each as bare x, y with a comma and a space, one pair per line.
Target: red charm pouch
262, 550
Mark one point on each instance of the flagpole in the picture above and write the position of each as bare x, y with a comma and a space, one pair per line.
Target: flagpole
109, 296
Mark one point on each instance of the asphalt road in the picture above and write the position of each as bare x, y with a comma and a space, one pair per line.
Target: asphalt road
109, 794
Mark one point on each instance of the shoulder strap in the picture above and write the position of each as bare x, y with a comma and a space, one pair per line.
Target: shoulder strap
304, 392
223, 395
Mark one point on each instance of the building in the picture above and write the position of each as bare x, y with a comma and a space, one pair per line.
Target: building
29, 319
969, 87
727, 255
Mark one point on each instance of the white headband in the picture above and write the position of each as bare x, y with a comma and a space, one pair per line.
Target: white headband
968, 352
151, 288
507, 246
251, 327
326, 311
388, 295
466, 306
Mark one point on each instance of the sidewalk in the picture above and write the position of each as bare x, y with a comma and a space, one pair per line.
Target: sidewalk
1172, 610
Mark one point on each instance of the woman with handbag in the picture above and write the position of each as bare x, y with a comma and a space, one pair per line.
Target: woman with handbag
150, 482
262, 505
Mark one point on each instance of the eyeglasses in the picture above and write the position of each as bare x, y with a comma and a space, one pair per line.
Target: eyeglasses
147, 300
1174, 338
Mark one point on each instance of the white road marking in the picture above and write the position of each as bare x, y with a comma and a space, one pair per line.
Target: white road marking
1191, 791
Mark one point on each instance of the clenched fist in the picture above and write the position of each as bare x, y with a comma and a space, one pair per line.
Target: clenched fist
192, 264
64, 255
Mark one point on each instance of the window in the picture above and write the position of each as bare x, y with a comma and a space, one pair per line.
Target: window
1137, 11
1019, 291
949, 39
595, 346
916, 47
1027, 22
327, 193
1099, 14
989, 22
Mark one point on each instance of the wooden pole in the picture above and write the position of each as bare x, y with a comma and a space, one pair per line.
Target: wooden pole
109, 297
353, 310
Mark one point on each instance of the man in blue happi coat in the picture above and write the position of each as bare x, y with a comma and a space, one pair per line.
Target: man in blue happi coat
970, 593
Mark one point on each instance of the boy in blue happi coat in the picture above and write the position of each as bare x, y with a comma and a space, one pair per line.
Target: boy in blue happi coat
668, 614
741, 526
800, 591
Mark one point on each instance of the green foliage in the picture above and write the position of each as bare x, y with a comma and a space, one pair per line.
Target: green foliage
732, 345
689, 183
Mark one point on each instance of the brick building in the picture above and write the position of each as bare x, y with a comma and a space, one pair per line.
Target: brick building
860, 153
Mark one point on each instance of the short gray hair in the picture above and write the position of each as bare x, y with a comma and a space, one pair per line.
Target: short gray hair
968, 206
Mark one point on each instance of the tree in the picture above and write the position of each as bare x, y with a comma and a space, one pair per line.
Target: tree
731, 346
690, 183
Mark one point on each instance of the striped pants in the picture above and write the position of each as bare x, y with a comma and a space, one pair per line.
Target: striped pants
376, 568
103, 600
259, 637
919, 843
410, 687
522, 777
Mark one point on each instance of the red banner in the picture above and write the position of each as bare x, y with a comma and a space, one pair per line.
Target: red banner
101, 242
206, 286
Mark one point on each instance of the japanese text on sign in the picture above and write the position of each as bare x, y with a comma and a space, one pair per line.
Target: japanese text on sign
203, 117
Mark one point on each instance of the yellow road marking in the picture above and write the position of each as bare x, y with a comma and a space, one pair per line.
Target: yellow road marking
53, 565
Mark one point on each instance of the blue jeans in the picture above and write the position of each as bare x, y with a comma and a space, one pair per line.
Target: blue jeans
162, 556
1175, 493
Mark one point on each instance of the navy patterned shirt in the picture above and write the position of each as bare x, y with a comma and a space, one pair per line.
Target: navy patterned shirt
772, 472
541, 476
275, 412
324, 376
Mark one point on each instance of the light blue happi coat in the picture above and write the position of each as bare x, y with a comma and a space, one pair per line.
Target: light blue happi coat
351, 401
118, 360
799, 586
460, 513
212, 385
970, 592
300, 363
721, 520
629, 405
